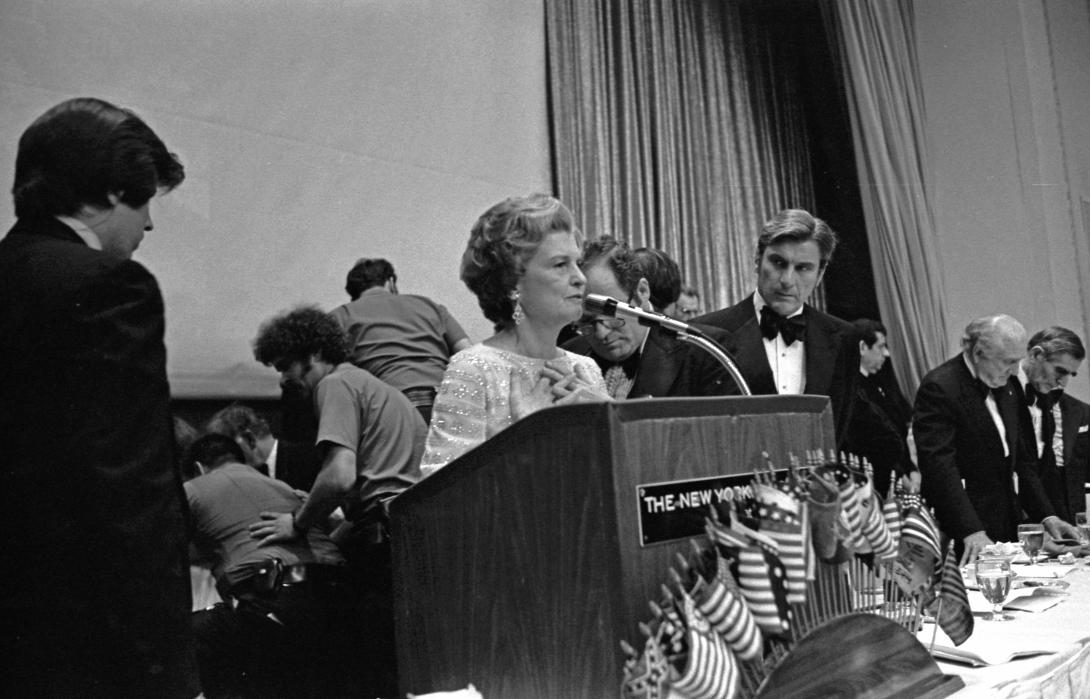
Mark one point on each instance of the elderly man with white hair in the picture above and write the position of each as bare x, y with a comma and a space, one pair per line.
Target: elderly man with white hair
974, 441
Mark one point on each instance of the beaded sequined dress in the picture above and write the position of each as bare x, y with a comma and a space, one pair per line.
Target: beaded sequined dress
473, 402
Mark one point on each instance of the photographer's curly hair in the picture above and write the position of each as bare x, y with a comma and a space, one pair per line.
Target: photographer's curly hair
299, 334
500, 243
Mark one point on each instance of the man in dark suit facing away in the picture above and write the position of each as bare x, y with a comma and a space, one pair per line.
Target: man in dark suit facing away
781, 343
1061, 423
637, 361
95, 597
973, 441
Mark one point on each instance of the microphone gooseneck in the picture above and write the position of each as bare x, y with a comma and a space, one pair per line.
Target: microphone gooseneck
599, 305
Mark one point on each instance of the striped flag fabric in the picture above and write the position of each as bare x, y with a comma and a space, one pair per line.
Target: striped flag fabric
918, 552
951, 604
728, 614
760, 574
711, 670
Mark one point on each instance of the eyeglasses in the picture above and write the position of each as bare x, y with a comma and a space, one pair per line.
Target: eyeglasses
587, 327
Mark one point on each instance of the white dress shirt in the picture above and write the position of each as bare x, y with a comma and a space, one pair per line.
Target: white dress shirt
788, 363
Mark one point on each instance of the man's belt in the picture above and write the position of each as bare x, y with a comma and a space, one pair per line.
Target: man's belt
272, 574
420, 396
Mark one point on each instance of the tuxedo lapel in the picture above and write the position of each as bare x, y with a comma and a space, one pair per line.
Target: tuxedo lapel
978, 416
659, 365
821, 350
749, 351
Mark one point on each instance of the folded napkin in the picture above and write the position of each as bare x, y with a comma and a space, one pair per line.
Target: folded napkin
1042, 570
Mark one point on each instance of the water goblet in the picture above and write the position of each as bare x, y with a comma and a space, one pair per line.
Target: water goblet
993, 575
1084, 528
1032, 538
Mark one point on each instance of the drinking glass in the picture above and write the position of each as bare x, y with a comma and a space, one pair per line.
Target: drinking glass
1032, 538
993, 575
1084, 528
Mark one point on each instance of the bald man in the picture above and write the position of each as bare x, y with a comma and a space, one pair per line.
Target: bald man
974, 441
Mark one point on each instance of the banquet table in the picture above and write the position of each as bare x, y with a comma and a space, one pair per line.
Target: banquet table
1063, 630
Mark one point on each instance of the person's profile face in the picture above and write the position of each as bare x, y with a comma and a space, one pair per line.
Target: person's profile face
787, 274
995, 362
872, 358
687, 307
551, 286
297, 378
121, 228
614, 344
1051, 373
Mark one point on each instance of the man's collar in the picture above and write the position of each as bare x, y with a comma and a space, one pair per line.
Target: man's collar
80, 228
759, 303
375, 290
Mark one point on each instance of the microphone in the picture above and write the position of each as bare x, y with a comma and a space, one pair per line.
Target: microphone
596, 304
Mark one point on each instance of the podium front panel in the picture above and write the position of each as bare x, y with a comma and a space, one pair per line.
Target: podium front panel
520, 566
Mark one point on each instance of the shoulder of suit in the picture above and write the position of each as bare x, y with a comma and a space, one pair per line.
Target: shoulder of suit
730, 318
577, 345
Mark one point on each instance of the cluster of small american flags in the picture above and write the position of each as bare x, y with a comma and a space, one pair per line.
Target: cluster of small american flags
740, 592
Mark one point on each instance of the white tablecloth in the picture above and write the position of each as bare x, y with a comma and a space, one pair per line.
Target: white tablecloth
1064, 628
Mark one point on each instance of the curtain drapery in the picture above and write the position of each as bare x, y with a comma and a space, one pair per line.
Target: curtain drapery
878, 55
672, 127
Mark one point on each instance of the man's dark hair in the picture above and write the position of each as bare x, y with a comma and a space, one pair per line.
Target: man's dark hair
618, 258
298, 335
797, 226
367, 273
662, 274
83, 150
212, 451
1056, 340
867, 330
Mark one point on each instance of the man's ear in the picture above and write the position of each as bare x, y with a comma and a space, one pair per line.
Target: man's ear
863, 346
114, 199
643, 294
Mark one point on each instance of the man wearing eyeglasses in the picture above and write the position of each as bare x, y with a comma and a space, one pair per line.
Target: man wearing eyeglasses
1061, 423
638, 361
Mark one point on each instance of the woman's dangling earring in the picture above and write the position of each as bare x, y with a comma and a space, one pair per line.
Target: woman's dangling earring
518, 314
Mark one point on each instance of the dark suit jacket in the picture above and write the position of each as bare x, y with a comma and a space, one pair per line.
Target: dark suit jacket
878, 430
96, 597
1071, 498
956, 440
298, 463
832, 356
671, 367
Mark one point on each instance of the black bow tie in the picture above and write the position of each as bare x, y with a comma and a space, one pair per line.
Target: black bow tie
772, 324
1043, 401
263, 469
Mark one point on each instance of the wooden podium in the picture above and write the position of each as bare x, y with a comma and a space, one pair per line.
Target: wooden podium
520, 566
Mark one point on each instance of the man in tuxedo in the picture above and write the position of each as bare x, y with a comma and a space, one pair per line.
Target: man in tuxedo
95, 596
1061, 423
780, 342
973, 441
295, 463
880, 414
638, 361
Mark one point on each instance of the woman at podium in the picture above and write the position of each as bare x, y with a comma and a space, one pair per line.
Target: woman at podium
522, 262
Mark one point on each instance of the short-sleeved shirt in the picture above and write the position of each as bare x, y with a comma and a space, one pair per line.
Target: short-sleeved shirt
376, 421
226, 501
404, 340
